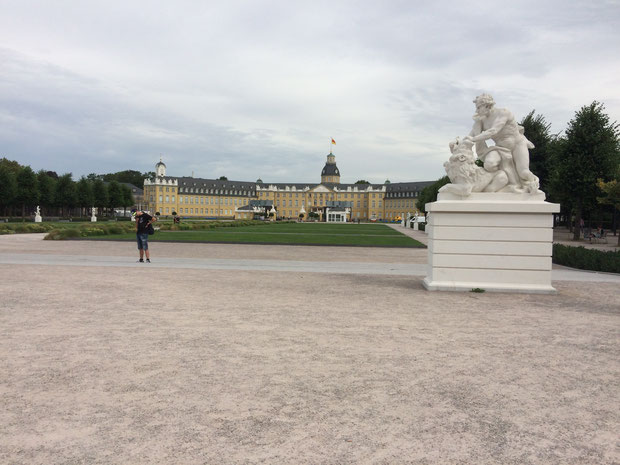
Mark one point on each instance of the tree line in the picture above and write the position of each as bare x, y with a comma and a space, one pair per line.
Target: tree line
22, 190
578, 168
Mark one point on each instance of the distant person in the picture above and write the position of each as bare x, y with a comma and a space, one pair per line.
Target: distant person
143, 221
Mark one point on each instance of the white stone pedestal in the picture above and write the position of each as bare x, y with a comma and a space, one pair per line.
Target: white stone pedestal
493, 241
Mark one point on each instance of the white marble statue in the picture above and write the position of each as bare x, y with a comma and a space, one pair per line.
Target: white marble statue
93, 217
37, 215
466, 176
506, 164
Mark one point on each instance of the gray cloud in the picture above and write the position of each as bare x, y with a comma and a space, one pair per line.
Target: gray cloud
256, 89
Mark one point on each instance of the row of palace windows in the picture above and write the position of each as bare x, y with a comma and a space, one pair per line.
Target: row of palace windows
201, 200
375, 204
198, 211
209, 191
402, 194
343, 195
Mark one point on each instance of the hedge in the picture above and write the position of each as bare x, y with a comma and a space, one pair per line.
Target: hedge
104, 229
587, 259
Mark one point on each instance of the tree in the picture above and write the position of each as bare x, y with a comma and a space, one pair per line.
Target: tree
128, 199
223, 178
589, 151
537, 131
65, 195
115, 195
85, 196
47, 188
100, 193
11, 165
129, 176
361, 181
8, 189
611, 196
429, 193
27, 189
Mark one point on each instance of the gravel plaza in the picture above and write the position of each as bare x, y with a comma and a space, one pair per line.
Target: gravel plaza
223, 353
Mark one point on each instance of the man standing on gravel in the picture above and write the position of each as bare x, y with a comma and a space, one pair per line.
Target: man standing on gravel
143, 221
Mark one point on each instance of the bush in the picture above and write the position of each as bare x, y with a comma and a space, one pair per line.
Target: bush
86, 232
60, 234
586, 259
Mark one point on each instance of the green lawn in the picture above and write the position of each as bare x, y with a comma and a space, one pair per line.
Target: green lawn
372, 235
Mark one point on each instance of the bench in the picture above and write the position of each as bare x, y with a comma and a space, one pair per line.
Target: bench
597, 237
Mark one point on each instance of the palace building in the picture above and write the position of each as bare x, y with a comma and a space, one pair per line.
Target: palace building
328, 200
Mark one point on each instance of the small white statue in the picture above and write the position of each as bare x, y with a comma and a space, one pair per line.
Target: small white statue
93, 217
37, 215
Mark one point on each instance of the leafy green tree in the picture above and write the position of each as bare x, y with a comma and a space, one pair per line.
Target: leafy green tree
85, 196
11, 165
429, 193
361, 181
611, 195
129, 176
27, 189
537, 130
66, 195
100, 193
128, 199
8, 189
115, 195
223, 178
589, 151
47, 188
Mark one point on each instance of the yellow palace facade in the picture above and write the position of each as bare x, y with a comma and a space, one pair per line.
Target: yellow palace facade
328, 200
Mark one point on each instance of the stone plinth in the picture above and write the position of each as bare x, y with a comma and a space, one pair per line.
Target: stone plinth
492, 241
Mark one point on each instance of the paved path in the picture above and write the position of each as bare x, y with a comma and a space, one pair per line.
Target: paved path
341, 267
230, 354
395, 266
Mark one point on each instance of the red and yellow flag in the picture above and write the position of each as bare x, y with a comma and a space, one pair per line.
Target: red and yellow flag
333, 141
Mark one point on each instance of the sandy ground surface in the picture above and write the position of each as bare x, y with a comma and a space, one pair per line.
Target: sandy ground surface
112, 365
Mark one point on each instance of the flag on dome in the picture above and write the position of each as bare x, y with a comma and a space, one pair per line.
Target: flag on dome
333, 141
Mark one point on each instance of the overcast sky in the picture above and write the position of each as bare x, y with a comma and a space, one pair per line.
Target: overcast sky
252, 89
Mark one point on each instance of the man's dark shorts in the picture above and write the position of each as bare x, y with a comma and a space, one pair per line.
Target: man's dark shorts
143, 243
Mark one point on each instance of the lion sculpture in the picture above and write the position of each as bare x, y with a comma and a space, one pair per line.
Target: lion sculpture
466, 176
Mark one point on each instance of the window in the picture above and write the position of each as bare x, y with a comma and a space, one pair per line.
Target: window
161, 198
